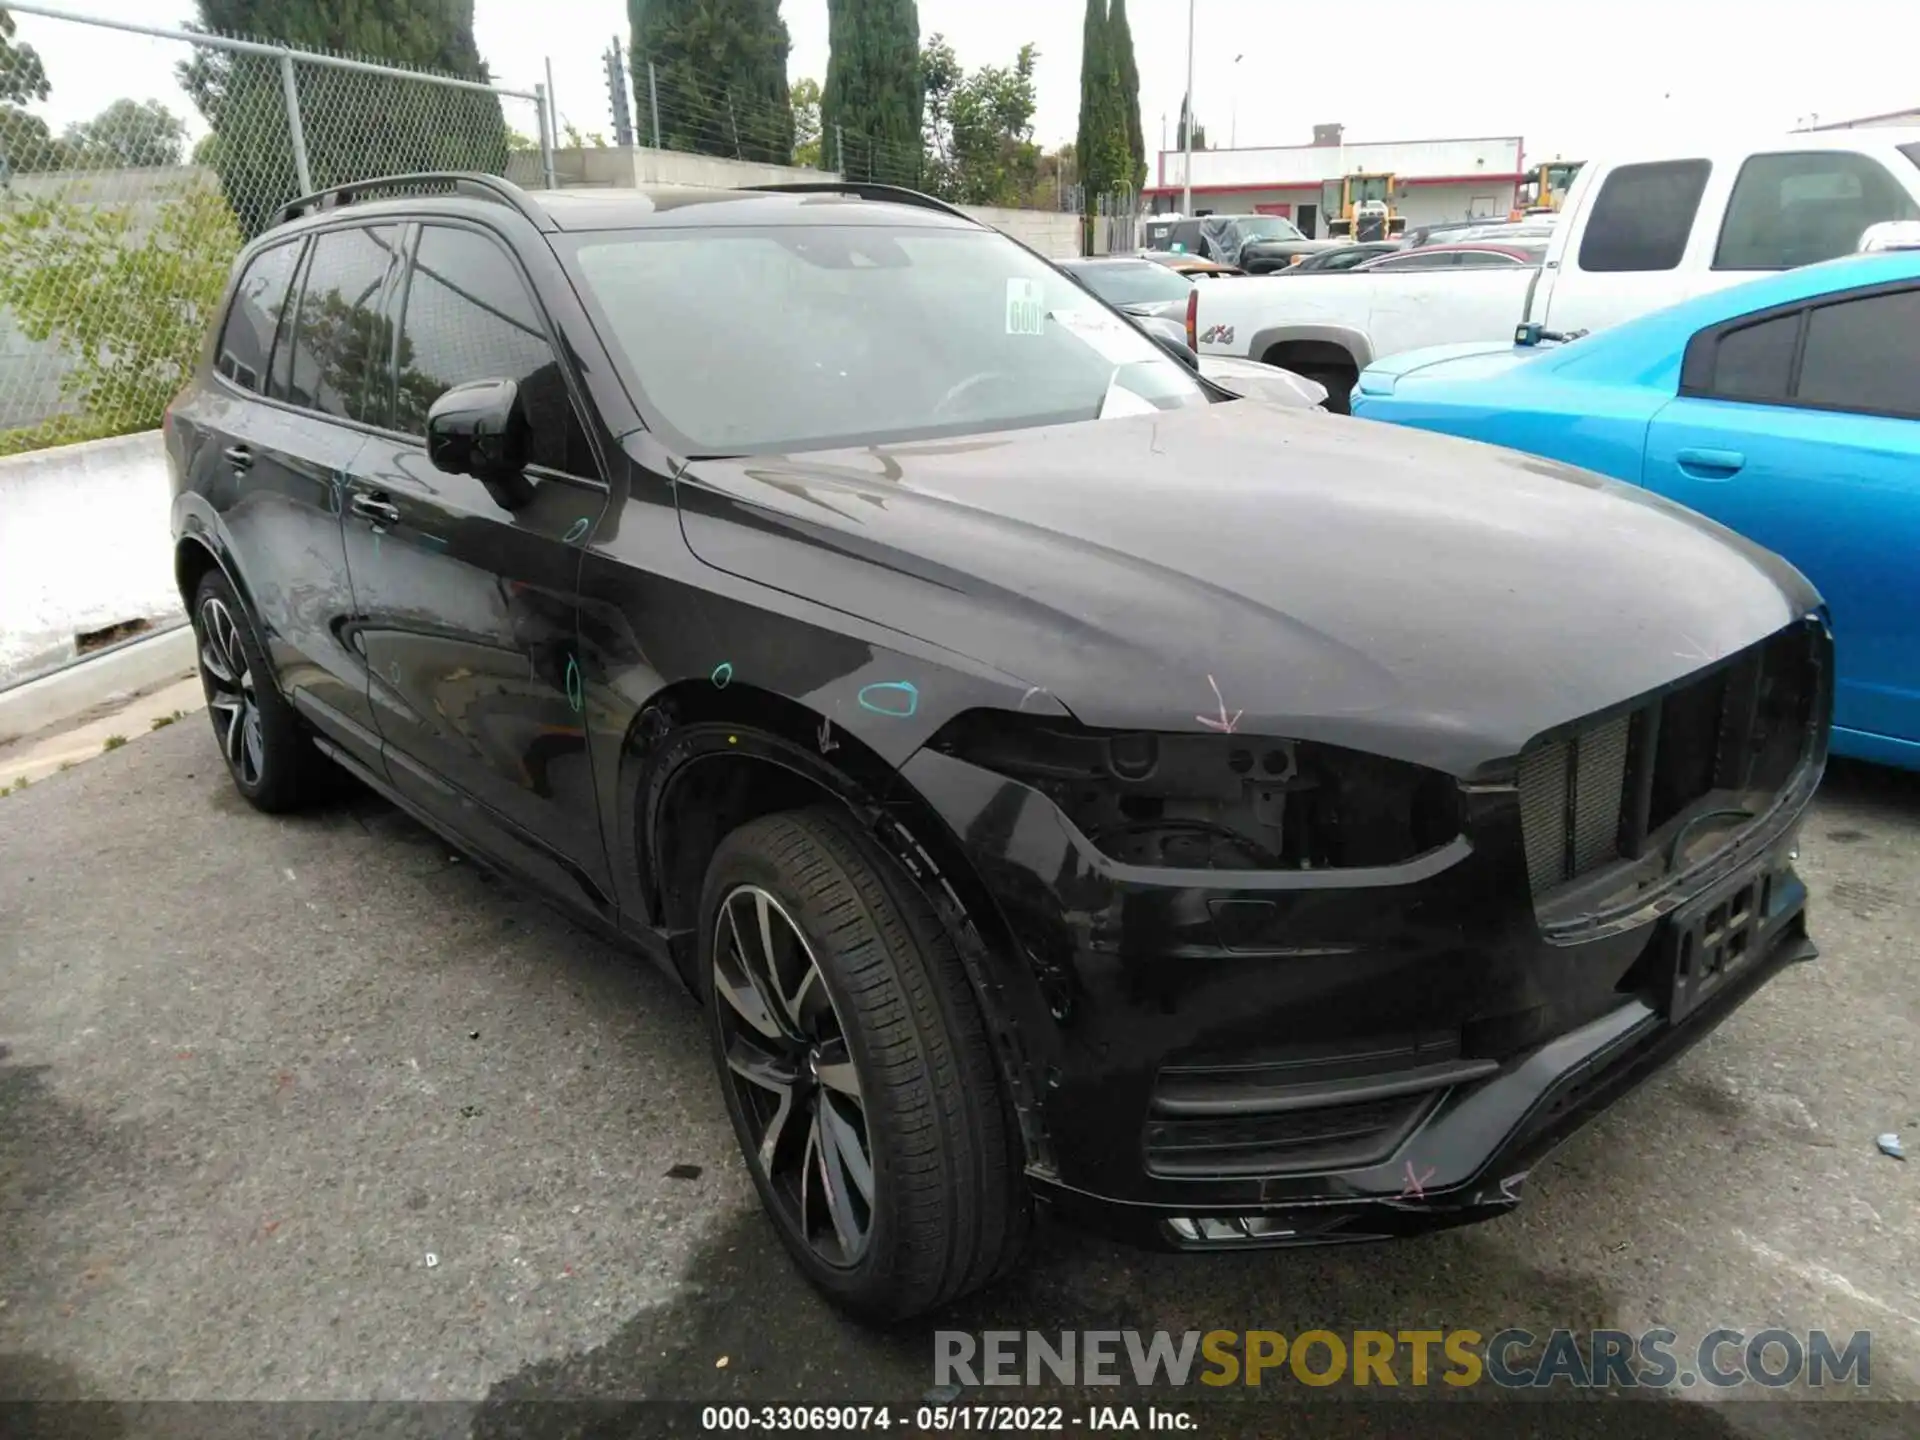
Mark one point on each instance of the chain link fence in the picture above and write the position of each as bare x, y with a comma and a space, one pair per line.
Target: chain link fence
117, 234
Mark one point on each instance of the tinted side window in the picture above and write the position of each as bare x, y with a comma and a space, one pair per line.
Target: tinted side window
1481, 259
1798, 209
1643, 215
246, 341
469, 317
343, 345
1422, 260
1756, 362
1864, 355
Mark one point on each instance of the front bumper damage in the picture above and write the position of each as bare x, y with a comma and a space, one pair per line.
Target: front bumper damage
1232, 1059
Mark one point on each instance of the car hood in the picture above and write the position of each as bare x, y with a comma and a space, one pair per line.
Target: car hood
1255, 380
1471, 360
1284, 572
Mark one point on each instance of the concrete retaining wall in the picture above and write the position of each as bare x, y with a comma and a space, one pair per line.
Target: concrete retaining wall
1054, 233
83, 545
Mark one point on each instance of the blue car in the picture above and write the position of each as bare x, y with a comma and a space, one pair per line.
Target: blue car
1786, 408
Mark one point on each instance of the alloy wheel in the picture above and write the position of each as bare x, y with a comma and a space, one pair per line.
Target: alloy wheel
231, 700
793, 1075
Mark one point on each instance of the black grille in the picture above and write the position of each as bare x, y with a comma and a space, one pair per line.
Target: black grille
1600, 793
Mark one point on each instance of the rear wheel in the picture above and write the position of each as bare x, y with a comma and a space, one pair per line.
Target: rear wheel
857, 1068
272, 761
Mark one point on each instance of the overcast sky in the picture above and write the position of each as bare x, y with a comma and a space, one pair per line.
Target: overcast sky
1573, 79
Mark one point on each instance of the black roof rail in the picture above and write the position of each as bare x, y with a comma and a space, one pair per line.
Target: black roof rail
477, 186
866, 190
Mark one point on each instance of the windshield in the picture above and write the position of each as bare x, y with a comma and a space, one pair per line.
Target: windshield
1268, 227
779, 338
1133, 282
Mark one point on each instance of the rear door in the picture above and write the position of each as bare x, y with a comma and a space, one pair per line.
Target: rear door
283, 454
469, 609
1801, 429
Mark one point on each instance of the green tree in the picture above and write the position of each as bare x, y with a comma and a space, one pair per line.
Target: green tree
979, 128
1127, 75
874, 98
126, 291
720, 72
1102, 144
1180, 131
25, 141
129, 133
806, 122
357, 126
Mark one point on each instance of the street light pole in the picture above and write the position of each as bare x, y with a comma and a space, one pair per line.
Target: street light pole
1186, 167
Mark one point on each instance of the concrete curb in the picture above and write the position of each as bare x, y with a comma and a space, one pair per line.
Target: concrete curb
121, 670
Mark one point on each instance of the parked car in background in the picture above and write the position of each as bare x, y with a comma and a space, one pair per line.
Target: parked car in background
1060, 787
1637, 232
1787, 409
1257, 244
1163, 305
1479, 255
1343, 257
1133, 284
1464, 231
1192, 266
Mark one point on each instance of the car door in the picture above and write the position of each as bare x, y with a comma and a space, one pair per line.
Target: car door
285, 446
1801, 429
468, 609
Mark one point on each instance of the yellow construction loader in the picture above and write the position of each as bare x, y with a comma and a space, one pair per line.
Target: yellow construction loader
1365, 207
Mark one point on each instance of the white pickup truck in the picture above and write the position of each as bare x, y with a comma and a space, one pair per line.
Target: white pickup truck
1634, 235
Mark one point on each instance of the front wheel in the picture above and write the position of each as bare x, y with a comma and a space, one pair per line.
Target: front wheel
857, 1068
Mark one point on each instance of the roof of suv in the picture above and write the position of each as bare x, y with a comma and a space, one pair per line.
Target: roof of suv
610, 208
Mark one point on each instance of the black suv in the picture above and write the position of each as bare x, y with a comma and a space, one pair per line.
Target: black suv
1230, 825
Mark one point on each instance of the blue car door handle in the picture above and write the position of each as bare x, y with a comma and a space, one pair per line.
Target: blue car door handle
1710, 464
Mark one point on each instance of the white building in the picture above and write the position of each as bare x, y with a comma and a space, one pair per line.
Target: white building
1865, 122
1436, 179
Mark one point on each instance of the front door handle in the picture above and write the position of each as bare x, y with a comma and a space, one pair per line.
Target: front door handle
372, 507
239, 457
1710, 464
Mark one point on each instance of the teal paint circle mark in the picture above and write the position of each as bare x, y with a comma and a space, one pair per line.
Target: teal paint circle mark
722, 674
576, 696
897, 698
578, 529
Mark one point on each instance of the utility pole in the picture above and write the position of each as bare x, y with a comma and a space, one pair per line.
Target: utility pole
1186, 168
618, 99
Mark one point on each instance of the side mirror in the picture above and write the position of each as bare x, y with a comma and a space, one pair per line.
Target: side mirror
1890, 235
1170, 337
480, 429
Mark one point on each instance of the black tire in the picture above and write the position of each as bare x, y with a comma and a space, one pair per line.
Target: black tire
268, 752
948, 1208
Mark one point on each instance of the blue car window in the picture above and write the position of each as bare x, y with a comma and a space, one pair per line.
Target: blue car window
1864, 355
1756, 362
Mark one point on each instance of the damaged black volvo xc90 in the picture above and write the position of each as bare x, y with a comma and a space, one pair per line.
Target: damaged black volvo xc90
1229, 826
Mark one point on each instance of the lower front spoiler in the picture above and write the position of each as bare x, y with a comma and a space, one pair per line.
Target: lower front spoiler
1569, 1080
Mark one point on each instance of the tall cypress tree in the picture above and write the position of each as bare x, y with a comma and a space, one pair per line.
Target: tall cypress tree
357, 126
720, 67
874, 98
1120, 44
1102, 145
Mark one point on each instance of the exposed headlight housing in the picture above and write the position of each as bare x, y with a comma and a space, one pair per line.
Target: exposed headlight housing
1216, 802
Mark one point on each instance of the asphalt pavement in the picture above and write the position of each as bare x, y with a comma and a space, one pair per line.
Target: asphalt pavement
313, 1109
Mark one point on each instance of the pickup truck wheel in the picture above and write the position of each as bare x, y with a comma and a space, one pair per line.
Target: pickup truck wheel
856, 1068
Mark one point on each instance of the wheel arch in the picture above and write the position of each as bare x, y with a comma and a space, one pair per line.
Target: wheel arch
698, 762
1332, 342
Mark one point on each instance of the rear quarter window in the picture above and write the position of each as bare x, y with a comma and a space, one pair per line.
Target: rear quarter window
246, 339
1643, 216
